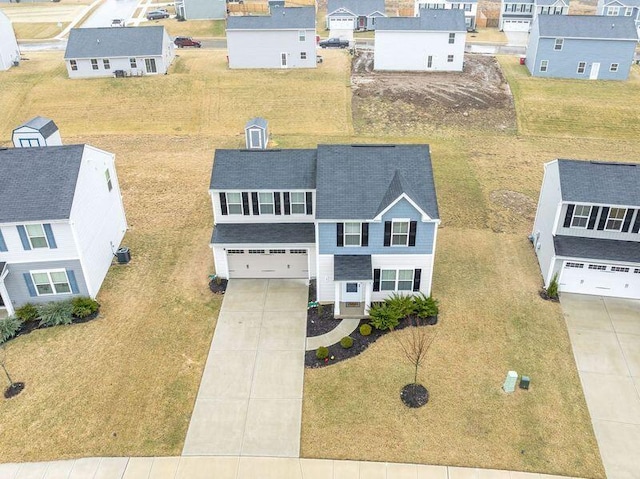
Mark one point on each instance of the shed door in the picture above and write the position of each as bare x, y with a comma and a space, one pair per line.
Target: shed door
595, 69
621, 281
268, 263
255, 138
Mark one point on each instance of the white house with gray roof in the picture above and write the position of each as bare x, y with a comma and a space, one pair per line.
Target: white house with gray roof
587, 227
518, 15
620, 8
61, 221
38, 131
354, 14
108, 52
313, 214
9, 52
201, 9
469, 7
582, 47
286, 38
434, 41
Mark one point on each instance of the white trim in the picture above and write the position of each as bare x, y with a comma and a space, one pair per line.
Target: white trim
615, 219
425, 216
44, 235
48, 272
573, 215
344, 234
400, 220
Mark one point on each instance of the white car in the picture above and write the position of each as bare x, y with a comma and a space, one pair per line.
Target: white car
117, 22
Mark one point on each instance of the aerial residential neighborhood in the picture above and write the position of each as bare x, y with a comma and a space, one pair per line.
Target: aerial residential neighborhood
319, 239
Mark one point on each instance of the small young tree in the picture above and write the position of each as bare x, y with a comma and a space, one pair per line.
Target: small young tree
415, 343
14, 388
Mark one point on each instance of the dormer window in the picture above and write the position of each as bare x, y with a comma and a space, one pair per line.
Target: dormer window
37, 237
298, 203
615, 219
558, 44
234, 203
302, 35
265, 201
580, 216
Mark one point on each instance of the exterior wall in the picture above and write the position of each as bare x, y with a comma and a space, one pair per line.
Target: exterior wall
65, 244
408, 51
86, 71
564, 63
222, 266
263, 48
251, 218
9, 51
97, 216
594, 233
532, 48
205, 9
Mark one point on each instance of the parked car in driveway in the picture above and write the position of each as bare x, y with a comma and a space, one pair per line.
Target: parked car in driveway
157, 15
187, 42
334, 43
117, 22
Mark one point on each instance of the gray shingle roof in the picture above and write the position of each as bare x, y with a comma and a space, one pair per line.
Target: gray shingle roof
45, 126
546, 3
587, 26
114, 42
352, 267
264, 169
429, 20
38, 184
270, 233
597, 249
600, 182
280, 19
2, 265
354, 181
357, 7
259, 122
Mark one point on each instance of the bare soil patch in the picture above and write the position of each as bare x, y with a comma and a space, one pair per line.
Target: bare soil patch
419, 102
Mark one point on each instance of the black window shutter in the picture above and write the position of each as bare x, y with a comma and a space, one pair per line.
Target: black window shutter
376, 280
245, 204
387, 233
309, 198
593, 217
636, 223
223, 204
568, 216
340, 234
417, 274
287, 203
627, 220
413, 226
603, 217
365, 234
276, 202
254, 200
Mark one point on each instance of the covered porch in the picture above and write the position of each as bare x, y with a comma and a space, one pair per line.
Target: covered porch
353, 279
6, 308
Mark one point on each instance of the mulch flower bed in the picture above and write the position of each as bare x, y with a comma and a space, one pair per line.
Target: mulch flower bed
414, 395
13, 390
320, 320
28, 326
218, 286
544, 295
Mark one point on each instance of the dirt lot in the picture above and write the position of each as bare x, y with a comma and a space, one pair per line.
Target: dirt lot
408, 103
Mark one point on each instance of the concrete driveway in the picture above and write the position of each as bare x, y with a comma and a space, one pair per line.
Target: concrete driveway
605, 335
250, 397
109, 10
517, 38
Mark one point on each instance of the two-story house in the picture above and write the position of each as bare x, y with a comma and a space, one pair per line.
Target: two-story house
360, 219
354, 14
469, 7
286, 38
61, 222
518, 15
587, 227
620, 8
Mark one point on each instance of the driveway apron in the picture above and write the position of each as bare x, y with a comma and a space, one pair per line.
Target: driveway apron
605, 335
250, 397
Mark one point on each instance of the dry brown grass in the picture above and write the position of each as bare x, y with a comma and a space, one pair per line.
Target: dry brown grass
489, 35
191, 28
37, 30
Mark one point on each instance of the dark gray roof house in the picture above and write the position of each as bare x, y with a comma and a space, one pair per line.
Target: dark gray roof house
281, 18
354, 14
429, 20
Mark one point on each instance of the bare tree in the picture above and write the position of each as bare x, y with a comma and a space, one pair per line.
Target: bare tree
3, 360
416, 344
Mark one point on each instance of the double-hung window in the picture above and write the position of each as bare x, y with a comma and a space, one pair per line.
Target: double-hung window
452, 38
613, 68
106, 63
298, 203
265, 201
613, 11
399, 233
449, 58
302, 35
580, 216
388, 280
544, 65
133, 63
94, 63
352, 234
37, 237
582, 66
615, 219
51, 282
107, 176
558, 44
396, 280
628, 11
74, 64
234, 203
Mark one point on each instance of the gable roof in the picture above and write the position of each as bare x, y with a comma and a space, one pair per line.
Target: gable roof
45, 126
587, 26
600, 182
359, 181
551, 2
114, 42
429, 20
263, 169
38, 184
352, 267
259, 122
357, 7
282, 18
626, 3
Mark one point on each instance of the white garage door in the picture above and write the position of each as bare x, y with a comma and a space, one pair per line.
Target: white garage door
268, 263
341, 23
516, 25
602, 279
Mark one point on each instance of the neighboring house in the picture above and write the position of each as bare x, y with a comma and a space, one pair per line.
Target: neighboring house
61, 222
469, 7
354, 14
360, 219
434, 41
38, 131
620, 8
201, 9
130, 51
518, 15
587, 227
9, 52
284, 39
582, 47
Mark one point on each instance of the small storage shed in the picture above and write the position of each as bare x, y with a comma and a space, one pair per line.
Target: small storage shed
276, 3
38, 131
256, 134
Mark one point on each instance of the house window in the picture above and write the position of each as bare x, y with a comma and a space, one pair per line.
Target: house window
615, 218
256, 251
36, 236
235, 251
51, 282
74, 65
298, 203
400, 233
405, 280
598, 267
574, 265
582, 66
352, 287
558, 44
106, 64
265, 201
396, 280
234, 203
449, 58
613, 11
619, 269
388, 280
133, 63
452, 38
467, 7
277, 251
94, 64
628, 11
302, 35
613, 68
544, 65
636, 270
352, 234
303, 55
150, 63
29, 142
298, 251
580, 215
107, 177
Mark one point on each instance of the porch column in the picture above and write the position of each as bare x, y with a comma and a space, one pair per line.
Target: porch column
5, 299
368, 288
336, 307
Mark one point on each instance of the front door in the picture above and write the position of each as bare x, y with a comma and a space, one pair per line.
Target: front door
595, 69
362, 22
283, 60
150, 63
429, 62
352, 292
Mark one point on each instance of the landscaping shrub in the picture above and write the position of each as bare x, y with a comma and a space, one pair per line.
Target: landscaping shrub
9, 327
382, 316
346, 342
552, 290
401, 303
425, 306
84, 306
27, 312
55, 313
365, 329
322, 352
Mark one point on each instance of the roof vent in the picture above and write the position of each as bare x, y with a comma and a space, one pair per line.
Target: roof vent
97, 40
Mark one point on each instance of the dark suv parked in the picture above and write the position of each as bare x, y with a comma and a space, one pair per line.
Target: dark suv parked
334, 43
187, 42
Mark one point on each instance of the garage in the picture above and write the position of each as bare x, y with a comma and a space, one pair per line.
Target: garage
585, 277
268, 263
516, 25
341, 23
